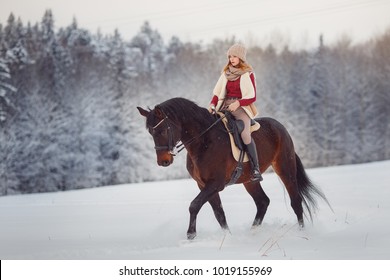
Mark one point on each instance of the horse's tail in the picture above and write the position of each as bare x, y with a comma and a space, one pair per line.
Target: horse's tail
307, 190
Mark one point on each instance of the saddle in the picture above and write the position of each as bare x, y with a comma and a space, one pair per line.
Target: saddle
234, 128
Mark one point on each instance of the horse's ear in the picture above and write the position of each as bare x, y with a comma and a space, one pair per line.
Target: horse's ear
158, 112
143, 112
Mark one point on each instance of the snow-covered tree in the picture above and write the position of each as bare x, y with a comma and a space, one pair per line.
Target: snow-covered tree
318, 97
381, 78
151, 46
5, 90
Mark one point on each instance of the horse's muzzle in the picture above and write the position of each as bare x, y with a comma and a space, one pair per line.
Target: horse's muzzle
165, 159
165, 163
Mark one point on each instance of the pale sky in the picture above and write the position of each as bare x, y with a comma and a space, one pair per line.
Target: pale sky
296, 22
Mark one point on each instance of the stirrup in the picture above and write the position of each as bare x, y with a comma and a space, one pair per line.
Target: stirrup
256, 176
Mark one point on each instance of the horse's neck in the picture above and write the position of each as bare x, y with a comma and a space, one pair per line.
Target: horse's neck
190, 131
192, 128
195, 131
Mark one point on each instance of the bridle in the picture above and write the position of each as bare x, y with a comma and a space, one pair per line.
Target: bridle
171, 147
175, 148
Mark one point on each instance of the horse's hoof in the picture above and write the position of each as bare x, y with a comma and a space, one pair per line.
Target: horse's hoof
256, 223
226, 230
191, 236
255, 227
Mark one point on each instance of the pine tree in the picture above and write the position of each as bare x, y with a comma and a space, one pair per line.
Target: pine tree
318, 104
152, 48
46, 63
5, 90
381, 94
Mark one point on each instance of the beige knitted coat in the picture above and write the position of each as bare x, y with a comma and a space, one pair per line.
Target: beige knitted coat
247, 91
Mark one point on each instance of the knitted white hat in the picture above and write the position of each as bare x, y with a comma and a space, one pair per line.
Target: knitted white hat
237, 50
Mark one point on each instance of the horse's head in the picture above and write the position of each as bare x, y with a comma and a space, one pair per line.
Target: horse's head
164, 133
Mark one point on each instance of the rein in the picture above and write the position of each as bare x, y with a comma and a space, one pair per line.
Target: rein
189, 142
174, 149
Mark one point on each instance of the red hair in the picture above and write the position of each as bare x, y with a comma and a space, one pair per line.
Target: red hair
242, 65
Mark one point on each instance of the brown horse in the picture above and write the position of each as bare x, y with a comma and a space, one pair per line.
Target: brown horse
211, 163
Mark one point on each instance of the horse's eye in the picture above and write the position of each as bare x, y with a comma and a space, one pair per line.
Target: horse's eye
161, 132
158, 132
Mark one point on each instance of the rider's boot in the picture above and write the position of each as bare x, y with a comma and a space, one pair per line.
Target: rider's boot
252, 153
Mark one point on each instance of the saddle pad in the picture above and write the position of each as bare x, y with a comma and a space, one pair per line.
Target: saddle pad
235, 150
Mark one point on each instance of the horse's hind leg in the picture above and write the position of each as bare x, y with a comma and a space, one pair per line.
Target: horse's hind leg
261, 200
287, 173
216, 204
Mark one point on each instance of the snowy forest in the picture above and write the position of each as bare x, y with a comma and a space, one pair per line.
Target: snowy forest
68, 98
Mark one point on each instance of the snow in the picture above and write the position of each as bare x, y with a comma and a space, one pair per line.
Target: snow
149, 221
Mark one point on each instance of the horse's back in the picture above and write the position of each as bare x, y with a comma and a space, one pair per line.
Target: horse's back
272, 140
272, 129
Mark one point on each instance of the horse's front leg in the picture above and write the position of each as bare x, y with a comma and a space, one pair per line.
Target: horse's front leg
195, 207
216, 204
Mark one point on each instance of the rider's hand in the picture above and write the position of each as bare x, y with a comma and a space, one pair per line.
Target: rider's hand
234, 106
212, 109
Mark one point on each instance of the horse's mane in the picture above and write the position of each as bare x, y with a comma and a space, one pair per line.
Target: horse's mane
181, 109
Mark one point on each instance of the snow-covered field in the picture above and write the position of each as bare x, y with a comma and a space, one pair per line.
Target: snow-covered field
149, 221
